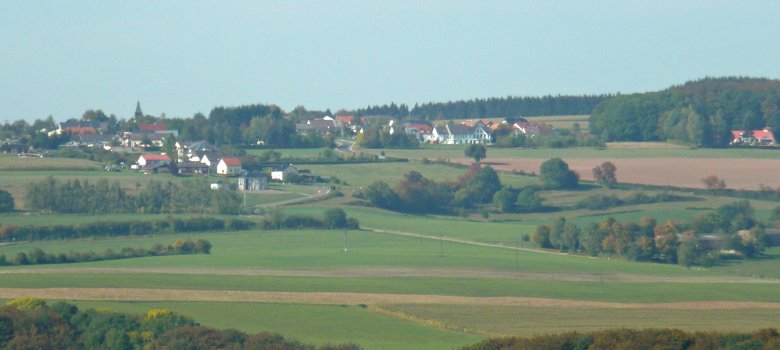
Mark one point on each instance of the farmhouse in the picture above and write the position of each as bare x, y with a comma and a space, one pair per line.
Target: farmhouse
229, 166
280, 175
147, 160
533, 129
763, 137
456, 134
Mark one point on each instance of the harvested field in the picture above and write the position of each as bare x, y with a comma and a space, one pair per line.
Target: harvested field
343, 298
681, 172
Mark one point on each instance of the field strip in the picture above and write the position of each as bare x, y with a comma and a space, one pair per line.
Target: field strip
462, 241
397, 272
330, 298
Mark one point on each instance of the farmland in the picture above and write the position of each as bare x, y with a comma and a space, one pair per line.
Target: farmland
409, 281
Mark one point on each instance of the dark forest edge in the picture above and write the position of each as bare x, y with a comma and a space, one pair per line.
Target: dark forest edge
763, 339
29, 323
39, 257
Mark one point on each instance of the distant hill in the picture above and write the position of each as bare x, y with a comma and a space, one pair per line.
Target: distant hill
699, 112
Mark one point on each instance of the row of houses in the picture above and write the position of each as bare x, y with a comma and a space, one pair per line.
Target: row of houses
763, 137
225, 165
469, 132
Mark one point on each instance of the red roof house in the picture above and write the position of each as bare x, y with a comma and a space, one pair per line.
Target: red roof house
229, 166
152, 159
151, 127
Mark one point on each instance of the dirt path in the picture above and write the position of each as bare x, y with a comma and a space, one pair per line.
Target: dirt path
321, 298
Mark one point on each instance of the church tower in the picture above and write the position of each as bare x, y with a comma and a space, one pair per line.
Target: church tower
138, 112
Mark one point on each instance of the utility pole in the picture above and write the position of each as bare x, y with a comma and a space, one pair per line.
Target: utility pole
441, 245
345, 240
517, 257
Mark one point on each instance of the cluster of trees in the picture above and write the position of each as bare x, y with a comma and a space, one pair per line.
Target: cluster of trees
417, 194
700, 113
672, 242
601, 202
763, 339
29, 323
38, 256
83, 197
378, 138
121, 228
332, 218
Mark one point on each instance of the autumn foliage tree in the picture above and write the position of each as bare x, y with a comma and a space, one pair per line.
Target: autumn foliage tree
605, 174
712, 182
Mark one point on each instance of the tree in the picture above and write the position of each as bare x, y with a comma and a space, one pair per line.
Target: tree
712, 182
504, 200
555, 174
528, 201
478, 152
335, 218
6, 202
605, 174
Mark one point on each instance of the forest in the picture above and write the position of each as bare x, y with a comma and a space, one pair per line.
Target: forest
700, 113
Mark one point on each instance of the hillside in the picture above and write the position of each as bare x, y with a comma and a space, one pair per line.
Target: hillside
701, 112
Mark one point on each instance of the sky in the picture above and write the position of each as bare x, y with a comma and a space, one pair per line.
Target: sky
61, 58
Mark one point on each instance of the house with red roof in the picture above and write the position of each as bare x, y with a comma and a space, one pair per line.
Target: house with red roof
147, 160
346, 119
229, 166
763, 137
151, 127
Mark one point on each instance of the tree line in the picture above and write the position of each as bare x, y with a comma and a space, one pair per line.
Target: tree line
37, 256
29, 323
734, 226
700, 113
84, 197
763, 339
121, 228
511, 106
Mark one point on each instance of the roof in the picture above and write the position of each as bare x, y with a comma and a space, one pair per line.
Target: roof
321, 123
346, 119
154, 156
422, 128
231, 161
80, 130
460, 129
765, 134
151, 127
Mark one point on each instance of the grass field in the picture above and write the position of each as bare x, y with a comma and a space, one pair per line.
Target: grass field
318, 324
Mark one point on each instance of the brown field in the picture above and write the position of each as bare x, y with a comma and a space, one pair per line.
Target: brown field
681, 172
344, 298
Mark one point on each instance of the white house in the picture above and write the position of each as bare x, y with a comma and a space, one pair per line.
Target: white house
229, 166
280, 174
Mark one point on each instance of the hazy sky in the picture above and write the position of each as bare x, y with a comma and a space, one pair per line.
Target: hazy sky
61, 58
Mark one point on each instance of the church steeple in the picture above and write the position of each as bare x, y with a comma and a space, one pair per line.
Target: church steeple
138, 112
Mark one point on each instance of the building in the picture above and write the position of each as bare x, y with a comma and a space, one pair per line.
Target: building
284, 173
229, 166
252, 183
152, 160
763, 137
